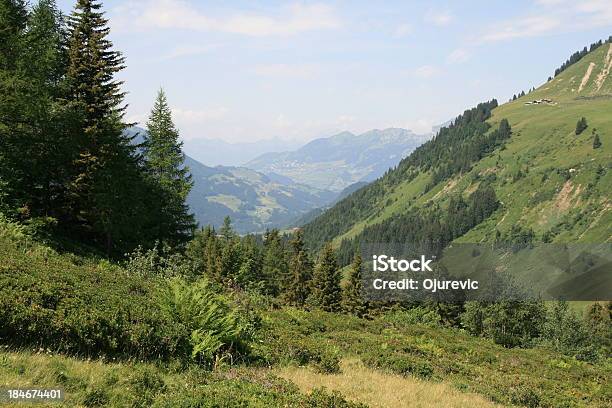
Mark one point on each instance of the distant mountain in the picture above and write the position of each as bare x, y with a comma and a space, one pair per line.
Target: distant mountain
314, 213
216, 152
253, 200
551, 182
338, 161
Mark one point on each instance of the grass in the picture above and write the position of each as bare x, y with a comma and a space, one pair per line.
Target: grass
379, 389
544, 148
523, 377
94, 383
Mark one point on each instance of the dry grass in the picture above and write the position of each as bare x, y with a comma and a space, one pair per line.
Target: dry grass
377, 389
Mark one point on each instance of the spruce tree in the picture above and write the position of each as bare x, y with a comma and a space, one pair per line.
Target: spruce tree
352, 296
581, 125
326, 291
13, 17
47, 152
165, 162
274, 267
297, 284
13, 102
108, 196
596, 142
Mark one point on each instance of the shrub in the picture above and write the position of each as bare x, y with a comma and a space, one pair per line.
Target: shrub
509, 323
581, 125
213, 326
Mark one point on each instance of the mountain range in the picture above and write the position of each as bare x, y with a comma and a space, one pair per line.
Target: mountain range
336, 162
545, 177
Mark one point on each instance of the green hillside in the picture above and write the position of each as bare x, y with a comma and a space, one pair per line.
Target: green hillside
545, 176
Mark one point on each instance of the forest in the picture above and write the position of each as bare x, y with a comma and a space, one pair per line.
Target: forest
103, 269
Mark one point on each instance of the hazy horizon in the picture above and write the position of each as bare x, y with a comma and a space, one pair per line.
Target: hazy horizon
302, 70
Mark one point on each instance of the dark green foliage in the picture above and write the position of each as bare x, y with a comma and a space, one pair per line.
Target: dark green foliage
297, 286
509, 323
504, 375
164, 161
431, 229
78, 305
63, 153
581, 125
578, 55
452, 151
274, 269
596, 142
567, 333
326, 293
353, 301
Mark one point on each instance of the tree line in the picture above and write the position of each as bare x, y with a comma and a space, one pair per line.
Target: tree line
277, 266
66, 164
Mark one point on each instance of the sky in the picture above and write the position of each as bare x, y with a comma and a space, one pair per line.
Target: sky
243, 71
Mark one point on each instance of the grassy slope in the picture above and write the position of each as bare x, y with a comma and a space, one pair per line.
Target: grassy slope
543, 141
380, 389
136, 384
441, 356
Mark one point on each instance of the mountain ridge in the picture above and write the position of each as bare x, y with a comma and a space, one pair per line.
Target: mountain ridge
340, 160
549, 180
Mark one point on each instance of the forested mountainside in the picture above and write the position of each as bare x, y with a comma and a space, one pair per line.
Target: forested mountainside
251, 199
542, 160
336, 162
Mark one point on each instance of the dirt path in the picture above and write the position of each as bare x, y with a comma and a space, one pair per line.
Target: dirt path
586, 76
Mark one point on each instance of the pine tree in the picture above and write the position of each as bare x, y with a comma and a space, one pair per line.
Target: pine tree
352, 296
165, 162
596, 142
326, 291
13, 17
108, 196
297, 285
274, 267
13, 102
581, 125
46, 152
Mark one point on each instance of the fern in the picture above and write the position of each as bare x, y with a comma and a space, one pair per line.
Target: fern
214, 327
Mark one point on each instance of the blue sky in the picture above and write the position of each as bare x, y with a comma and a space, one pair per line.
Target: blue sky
250, 70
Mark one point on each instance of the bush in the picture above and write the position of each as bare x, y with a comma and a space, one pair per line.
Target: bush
567, 333
212, 326
77, 305
509, 323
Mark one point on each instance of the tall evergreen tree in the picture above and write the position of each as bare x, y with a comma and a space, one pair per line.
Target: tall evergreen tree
47, 151
352, 296
108, 197
326, 291
165, 162
13, 17
13, 103
297, 285
274, 263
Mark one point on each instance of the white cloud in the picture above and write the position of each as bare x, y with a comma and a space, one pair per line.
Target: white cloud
403, 30
189, 50
180, 14
427, 71
554, 17
531, 26
439, 17
458, 56
287, 70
